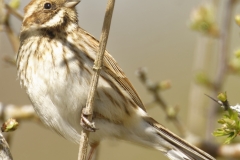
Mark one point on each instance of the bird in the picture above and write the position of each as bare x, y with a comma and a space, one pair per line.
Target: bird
54, 66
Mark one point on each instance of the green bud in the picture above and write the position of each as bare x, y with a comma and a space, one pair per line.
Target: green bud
10, 125
14, 4
222, 97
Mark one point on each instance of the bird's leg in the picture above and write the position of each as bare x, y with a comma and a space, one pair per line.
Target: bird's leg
92, 151
85, 123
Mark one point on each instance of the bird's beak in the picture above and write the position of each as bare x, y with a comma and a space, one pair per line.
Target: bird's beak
71, 3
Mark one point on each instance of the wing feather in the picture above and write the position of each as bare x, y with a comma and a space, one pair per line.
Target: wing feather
111, 67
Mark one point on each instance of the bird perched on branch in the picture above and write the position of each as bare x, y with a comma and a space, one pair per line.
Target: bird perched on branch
54, 65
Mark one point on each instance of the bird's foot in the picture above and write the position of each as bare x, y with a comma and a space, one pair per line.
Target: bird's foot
85, 123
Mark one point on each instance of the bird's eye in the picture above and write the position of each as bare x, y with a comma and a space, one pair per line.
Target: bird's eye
47, 6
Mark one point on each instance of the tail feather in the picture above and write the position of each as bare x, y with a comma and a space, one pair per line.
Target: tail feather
182, 149
175, 154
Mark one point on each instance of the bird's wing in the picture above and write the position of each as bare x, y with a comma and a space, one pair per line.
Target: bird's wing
112, 68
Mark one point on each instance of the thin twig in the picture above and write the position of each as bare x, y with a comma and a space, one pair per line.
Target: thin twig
11, 35
154, 90
97, 68
223, 60
10, 60
20, 112
232, 151
8, 29
5, 153
196, 98
14, 12
2, 13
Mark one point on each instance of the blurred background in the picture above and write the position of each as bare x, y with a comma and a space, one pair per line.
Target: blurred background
153, 34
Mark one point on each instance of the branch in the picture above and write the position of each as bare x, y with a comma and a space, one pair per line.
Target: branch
12, 36
196, 98
5, 21
154, 89
97, 68
222, 151
232, 151
22, 112
2, 14
222, 67
8, 126
14, 12
5, 153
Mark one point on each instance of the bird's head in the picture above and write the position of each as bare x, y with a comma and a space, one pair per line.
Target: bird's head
49, 14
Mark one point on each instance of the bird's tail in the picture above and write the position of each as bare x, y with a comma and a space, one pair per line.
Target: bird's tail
174, 147
150, 133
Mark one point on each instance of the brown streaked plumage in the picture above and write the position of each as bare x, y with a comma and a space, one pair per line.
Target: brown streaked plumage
54, 65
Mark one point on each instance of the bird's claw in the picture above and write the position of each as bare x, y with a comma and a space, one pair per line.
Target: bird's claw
85, 123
